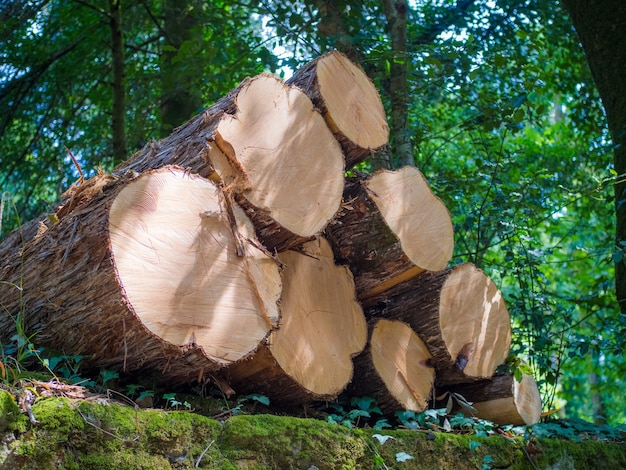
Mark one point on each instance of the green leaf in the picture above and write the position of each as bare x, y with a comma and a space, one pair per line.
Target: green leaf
473, 445
499, 60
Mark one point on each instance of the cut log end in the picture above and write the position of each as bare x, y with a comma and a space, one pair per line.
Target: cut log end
417, 217
322, 327
402, 361
474, 321
350, 103
503, 400
179, 259
391, 228
278, 152
353, 104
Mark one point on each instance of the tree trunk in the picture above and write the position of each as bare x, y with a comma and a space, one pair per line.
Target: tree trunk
396, 14
119, 85
269, 147
601, 27
180, 97
391, 228
332, 27
349, 102
460, 315
502, 400
136, 278
322, 327
394, 368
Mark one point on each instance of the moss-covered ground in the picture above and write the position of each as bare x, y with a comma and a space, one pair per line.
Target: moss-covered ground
100, 434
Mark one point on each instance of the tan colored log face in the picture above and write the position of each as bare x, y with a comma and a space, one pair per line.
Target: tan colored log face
291, 165
400, 358
504, 400
391, 229
474, 321
527, 399
322, 325
417, 217
353, 105
176, 258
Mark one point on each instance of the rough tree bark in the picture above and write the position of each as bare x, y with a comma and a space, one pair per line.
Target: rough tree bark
601, 27
502, 400
134, 278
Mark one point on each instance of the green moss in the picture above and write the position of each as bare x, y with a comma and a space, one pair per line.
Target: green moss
590, 455
109, 436
11, 419
81, 435
271, 442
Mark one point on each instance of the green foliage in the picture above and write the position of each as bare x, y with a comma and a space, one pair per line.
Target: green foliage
172, 402
503, 117
576, 430
355, 411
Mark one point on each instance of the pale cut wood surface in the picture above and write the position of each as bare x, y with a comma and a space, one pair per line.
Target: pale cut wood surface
349, 102
394, 368
92, 270
289, 164
322, 327
177, 261
270, 148
504, 400
474, 320
391, 228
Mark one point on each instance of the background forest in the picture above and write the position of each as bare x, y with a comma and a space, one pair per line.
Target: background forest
493, 100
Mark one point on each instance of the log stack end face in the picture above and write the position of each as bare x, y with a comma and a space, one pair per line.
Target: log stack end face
353, 105
290, 162
174, 251
322, 326
417, 217
528, 400
401, 359
475, 323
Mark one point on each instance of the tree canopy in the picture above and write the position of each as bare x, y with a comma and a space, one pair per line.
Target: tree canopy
492, 100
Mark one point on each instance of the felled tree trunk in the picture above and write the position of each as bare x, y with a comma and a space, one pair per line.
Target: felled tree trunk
349, 102
157, 272
394, 368
309, 357
502, 400
391, 227
459, 313
268, 146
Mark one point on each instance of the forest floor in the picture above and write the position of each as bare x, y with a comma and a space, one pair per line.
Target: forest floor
45, 424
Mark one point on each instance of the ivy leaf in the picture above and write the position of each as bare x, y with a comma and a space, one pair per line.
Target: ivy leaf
473, 445
403, 457
382, 438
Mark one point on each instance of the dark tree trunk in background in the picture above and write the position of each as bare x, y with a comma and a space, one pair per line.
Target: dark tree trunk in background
396, 13
180, 99
601, 27
332, 27
119, 86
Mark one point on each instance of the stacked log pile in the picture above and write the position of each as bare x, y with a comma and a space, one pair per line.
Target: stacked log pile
236, 250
